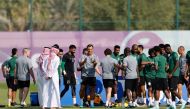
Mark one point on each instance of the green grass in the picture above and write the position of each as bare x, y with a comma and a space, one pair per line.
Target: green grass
3, 93
33, 88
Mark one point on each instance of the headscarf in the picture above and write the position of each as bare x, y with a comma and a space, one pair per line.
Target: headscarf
44, 55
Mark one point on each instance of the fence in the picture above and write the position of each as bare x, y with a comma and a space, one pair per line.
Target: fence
82, 15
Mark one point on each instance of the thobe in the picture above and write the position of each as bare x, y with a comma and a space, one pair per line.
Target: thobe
51, 93
41, 77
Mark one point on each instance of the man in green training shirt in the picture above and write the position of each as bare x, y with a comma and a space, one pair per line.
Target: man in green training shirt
115, 55
12, 87
173, 75
187, 76
161, 77
141, 91
150, 75
61, 68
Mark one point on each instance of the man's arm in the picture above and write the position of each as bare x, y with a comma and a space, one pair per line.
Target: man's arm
176, 63
32, 75
98, 71
31, 71
3, 69
82, 62
186, 75
146, 62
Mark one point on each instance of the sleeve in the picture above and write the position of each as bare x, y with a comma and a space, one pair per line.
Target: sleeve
115, 61
79, 61
8, 64
125, 61
64, 58
55, 67
98, 61
57, 63
175, 57
63, 65
78, 65
185, 60
188, 57
156, 61
144, 58
44, 65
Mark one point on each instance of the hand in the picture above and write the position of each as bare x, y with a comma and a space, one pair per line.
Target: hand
138, 79
64, 73
85, 60
48, 78
169, 75
151, 62
94, 62
98, 72
186, 78
123, 76
15, 81
34, 81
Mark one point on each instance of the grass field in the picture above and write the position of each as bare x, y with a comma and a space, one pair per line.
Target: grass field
33, 88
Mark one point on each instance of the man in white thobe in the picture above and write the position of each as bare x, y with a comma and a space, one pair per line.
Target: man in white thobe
41, 73
51, 93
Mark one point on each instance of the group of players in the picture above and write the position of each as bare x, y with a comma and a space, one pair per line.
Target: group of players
163, 70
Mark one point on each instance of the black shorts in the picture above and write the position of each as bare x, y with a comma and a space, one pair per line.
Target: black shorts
142, 81
90, 81
23, 84
131, 84
173, 82
108, 83
10, 83
69, 79
161, 84
150, 83
182, 80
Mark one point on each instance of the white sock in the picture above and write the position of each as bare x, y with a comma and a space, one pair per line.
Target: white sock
170, 101
115, 96
135, 101
144, 100
9, 100
92, 102
189, 100
156, 103
74, 101
150, 100
181, 100
107, 103
177, 98
130, 102
123, 101
173, 103
153, 100
81, 102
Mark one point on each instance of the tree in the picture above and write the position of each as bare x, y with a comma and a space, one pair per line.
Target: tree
153, 14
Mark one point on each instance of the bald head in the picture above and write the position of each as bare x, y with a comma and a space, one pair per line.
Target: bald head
26, 52
134, 49
181, 50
